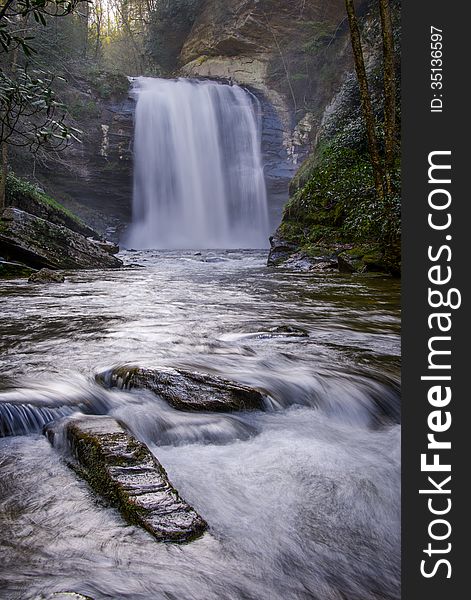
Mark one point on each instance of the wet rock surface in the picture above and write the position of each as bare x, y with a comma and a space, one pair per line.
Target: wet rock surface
42, 244
287, 331
186, 390
280, 250
125, 472
46, 276
336, 257
302, 262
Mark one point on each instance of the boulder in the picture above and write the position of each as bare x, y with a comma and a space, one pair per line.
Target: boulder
301, 261
280, 250
109, 247
46, 276
123, 471
186, 390
14, 270
42, 244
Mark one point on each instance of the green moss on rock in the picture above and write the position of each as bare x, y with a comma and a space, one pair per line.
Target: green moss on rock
123, 471
24, 195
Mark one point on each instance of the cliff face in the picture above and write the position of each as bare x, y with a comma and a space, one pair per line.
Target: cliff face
271, 45
92, 178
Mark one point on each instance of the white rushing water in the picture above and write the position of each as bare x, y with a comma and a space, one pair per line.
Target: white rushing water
302, 498
198, 173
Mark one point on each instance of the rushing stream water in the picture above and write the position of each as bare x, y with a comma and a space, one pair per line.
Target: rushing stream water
302, 499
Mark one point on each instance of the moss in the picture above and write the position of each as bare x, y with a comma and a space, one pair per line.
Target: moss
18, 189
98, 453
337, 205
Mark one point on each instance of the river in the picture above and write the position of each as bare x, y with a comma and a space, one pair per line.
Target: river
302, 500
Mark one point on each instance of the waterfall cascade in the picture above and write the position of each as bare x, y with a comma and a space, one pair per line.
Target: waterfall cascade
198, 174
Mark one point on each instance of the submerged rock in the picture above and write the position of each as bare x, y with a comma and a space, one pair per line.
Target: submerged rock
109, 247
125, 472
46, 276
186, 390
288, 331
40, 243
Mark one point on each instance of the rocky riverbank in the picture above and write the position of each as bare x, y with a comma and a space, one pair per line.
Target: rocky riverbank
36, 232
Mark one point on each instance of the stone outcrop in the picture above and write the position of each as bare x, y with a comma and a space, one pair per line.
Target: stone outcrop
123, 471
186, 390
42, 244
22, 195
340, 257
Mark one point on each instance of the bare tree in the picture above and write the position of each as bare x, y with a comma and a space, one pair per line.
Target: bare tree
365, 98
389, 75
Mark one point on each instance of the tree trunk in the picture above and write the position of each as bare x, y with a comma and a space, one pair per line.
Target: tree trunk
3, 182
389, 92
365, 98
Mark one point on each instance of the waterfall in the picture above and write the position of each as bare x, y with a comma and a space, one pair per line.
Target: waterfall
198, 173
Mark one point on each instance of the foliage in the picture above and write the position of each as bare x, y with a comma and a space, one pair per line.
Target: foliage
28, 105
338, 202
16, 12
27, 111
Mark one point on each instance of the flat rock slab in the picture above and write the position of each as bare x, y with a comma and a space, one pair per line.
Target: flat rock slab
186, 390
42, 244
124, 471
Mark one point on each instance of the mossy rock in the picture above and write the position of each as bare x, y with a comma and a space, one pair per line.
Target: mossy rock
123, 471
186, 390
27, 197
42, 244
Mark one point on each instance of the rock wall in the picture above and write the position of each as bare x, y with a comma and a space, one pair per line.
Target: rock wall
93, 178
